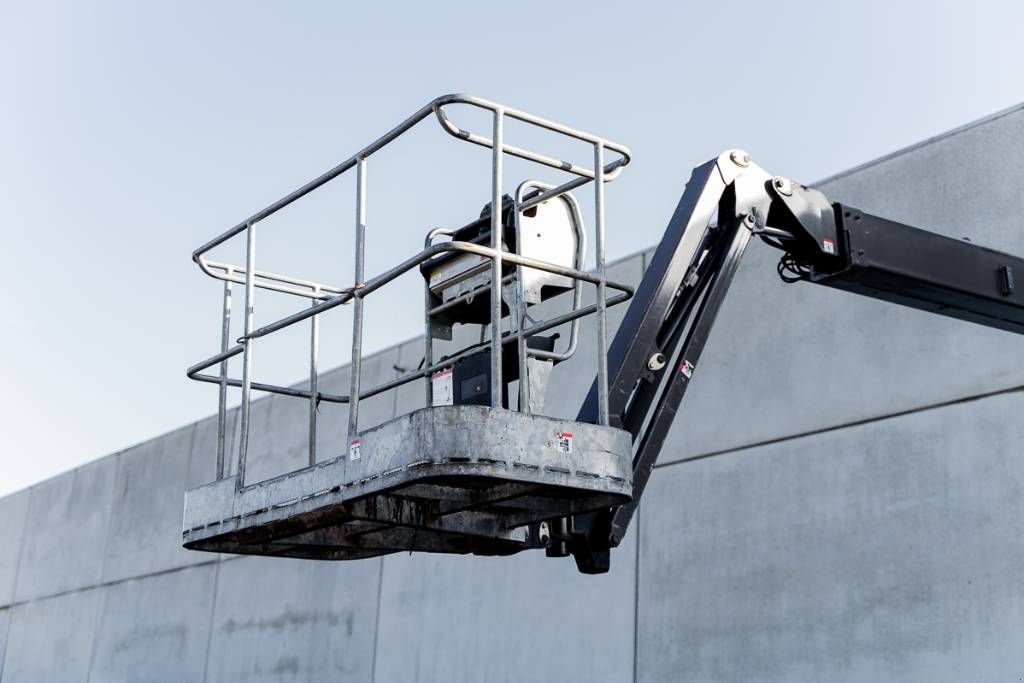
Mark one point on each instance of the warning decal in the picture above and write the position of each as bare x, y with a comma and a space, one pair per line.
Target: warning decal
563, 442
828, 246
443, 391
353, 450
686, 367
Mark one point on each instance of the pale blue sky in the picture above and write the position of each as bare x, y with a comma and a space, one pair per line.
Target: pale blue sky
132, 132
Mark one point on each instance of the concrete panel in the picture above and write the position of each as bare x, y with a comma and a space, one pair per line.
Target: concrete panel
520, 618
278, 620
66, 531
830, 358
51, 639
156, 628
145, 524
202, 466
273, 435
13, 510
887, 551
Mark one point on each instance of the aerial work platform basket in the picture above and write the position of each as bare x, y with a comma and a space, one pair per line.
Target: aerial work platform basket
479, 469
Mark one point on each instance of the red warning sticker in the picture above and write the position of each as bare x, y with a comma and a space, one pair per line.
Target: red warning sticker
828, 246
353, 450
686, 367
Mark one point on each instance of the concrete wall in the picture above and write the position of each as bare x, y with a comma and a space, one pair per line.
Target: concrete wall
863, 518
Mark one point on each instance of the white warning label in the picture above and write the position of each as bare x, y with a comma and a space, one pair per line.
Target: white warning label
353, 450
828, 246
563, 442
441, 381
686, 367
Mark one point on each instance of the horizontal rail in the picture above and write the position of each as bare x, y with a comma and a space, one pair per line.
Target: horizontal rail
436, 106
625, 292
236, 274
379, 281
272, 388
193, 373
507, 338
512, 150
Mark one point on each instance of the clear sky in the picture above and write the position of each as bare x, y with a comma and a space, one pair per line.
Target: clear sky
131, 132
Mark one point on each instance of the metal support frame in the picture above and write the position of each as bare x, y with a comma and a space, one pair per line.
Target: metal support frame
602, 318
519, 315
222, 416
357, 312
248, 342
578, 263
496, 232
517, 312
314, 380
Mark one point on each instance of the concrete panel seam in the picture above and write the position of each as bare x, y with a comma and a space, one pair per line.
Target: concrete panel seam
213, 612
101, 604
846, 425
110, 518
7, 637
14, 590
636, 600
21, 551
106, 584
376, 620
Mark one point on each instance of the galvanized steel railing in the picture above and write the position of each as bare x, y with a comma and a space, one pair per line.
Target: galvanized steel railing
324, 297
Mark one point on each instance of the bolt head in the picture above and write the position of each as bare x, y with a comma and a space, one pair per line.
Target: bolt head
740, 158
783, 186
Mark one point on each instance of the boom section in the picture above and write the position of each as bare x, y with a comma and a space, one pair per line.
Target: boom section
657, 348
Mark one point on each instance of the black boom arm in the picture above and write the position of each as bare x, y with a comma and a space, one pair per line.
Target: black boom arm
728, 200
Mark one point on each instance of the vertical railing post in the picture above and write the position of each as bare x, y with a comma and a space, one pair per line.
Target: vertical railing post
222, 399
496, 262
428, 343
602, 318
250, 296
357, 301
314, 357
519, 316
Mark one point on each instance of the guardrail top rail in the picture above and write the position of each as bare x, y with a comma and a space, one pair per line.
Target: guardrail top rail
324, 296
